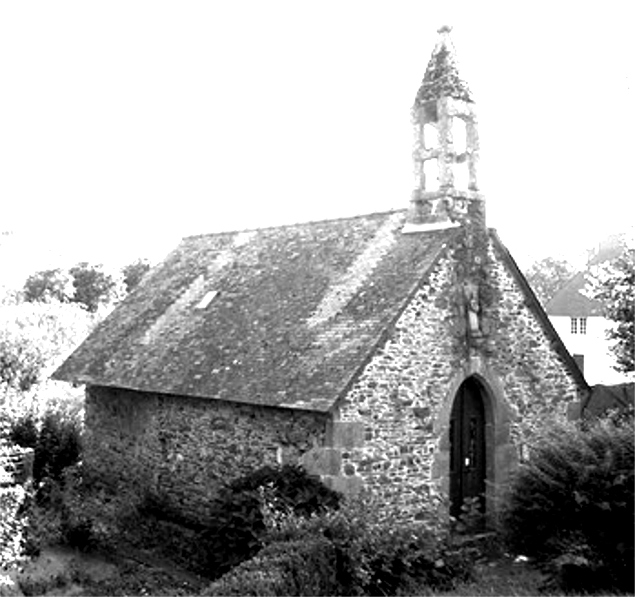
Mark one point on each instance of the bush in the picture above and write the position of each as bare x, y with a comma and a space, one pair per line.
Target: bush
56, 441
306, 567
350, 551
571, 506
79, 512
237, 526
58, 447
12, 525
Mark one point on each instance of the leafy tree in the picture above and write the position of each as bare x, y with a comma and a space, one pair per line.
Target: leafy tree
134, 272
94, 287
613, 284
46, 285
548, 276
34, 338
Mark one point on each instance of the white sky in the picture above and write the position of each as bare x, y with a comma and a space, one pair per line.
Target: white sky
125, 125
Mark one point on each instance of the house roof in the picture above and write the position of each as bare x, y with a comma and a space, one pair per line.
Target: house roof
570, 302
602, 398
280, 316
442, 77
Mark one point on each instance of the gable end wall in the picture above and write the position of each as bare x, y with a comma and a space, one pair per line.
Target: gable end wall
391, 429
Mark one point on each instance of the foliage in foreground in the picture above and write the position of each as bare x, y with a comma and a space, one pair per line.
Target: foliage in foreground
349, 551
571, 507
12, 523
613, 284
56, 440
237, 526
12, 509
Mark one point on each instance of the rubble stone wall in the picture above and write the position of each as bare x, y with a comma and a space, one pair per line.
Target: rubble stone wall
391, 433
179, 451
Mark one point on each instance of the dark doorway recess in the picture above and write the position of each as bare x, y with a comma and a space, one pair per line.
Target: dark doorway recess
467, 446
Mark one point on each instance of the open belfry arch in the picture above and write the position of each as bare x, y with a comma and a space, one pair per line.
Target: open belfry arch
446, 148
401, 353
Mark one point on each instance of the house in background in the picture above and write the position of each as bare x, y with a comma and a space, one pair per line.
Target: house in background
402, 353
580, 322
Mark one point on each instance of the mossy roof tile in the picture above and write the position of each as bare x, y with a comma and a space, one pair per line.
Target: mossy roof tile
297, 311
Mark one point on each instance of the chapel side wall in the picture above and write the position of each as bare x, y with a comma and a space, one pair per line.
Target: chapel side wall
391, 433
180, 450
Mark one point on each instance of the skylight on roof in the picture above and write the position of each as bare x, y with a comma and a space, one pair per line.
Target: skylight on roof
207, 299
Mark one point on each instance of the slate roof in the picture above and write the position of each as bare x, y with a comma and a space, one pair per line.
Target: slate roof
442, 77
280, 316
570, 302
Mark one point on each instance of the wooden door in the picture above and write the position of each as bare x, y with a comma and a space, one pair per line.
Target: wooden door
467, 446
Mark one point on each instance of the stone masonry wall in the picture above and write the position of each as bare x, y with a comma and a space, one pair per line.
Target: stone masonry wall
391, 434
533, 375
395, 403
181, 450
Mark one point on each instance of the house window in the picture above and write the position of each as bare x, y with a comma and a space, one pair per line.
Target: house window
582, 325
574, 325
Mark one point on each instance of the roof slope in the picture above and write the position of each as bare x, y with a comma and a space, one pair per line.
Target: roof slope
442, 78
569, 300
280, 316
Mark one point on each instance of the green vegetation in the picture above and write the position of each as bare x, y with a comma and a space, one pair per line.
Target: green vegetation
547, 276
571, 506
614, 285
237, 526
88, 285
348, 551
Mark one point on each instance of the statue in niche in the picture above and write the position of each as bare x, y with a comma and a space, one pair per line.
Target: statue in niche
472, 308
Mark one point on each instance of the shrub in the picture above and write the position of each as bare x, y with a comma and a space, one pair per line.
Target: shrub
77, 512
237, 527
572, 504
306, 567
56, 441
13, 502
58, 446
291, 488
350, 551
12, 525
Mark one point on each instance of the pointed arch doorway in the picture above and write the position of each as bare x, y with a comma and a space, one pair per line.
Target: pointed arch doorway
467, 446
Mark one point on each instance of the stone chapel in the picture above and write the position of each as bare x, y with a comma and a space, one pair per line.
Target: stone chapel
401, 353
